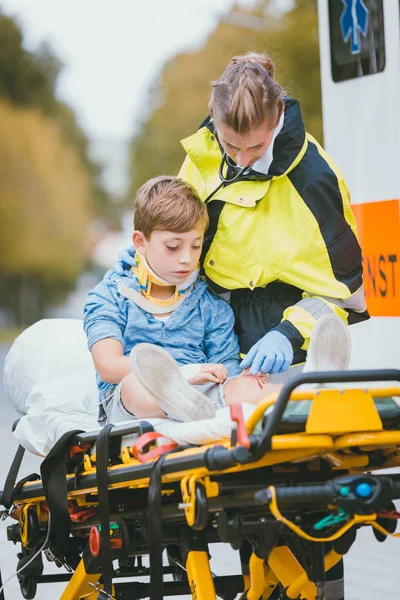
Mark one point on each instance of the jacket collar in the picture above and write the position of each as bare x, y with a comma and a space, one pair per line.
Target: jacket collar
290, 144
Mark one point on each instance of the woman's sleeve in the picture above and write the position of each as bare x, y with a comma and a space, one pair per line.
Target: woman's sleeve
328, 265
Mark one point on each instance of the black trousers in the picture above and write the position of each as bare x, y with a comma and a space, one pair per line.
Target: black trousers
260, 310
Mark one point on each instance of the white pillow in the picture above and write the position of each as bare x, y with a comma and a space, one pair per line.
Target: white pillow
49, 377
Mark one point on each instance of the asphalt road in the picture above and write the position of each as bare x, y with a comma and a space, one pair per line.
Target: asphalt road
372, 571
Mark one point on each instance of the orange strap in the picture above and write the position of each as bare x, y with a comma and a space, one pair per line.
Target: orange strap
145, 440
78, 449
237, 415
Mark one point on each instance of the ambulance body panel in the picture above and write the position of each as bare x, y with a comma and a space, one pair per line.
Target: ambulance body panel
360, 76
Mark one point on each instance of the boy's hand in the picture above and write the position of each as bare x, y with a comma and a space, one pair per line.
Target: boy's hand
210, 372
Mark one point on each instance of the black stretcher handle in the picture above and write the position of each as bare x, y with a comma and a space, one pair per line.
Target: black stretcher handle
312, 494
274, 419
382, 486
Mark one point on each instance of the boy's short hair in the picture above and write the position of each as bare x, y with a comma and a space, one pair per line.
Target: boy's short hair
167, 203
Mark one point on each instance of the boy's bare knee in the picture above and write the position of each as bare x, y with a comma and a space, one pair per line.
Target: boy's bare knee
247, 388
128, 385
137, 400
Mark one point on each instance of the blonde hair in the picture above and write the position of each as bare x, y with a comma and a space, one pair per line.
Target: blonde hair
247, 96
167, 203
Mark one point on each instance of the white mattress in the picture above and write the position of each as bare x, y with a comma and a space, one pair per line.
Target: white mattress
49, 376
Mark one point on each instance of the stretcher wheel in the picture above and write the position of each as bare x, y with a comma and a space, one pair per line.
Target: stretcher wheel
28, 585
201, 516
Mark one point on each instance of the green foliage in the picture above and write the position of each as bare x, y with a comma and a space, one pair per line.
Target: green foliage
49, 188
178, 100
29, 79
23, 77
45, 200
44, 197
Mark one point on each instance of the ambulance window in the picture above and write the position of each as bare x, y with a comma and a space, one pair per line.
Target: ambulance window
357, 38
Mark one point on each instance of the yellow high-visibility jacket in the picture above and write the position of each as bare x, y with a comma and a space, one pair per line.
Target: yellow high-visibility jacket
294, 226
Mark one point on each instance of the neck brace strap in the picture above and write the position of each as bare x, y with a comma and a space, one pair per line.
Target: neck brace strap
146, 278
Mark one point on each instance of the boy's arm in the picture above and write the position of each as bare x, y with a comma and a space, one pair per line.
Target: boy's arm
220, 342
109, 360
104, 324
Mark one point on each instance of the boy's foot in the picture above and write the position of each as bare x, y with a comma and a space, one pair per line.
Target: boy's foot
161, 377
330, 345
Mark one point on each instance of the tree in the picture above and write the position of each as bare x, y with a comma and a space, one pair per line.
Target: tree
178, 100
45, 200
29, 79
49, 187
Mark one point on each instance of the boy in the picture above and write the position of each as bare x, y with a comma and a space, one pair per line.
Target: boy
162, 301
162, 304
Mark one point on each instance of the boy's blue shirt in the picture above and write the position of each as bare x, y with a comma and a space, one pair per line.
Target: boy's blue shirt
200, 330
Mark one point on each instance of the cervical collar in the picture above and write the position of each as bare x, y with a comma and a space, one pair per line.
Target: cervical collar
146, 277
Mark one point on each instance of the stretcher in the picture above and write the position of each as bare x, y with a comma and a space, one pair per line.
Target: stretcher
289, 490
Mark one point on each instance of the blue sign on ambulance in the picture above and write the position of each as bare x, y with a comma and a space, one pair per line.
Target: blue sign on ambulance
354, 21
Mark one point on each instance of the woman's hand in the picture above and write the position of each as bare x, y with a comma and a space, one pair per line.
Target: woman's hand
126, 258
209, 372
272, 354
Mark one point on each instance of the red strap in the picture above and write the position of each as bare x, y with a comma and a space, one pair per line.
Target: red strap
237, 415
389, 514
79, 514
94, 542
145, 440
78, 449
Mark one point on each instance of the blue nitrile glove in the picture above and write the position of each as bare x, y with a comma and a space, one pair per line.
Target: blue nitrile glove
272, 354
126, 258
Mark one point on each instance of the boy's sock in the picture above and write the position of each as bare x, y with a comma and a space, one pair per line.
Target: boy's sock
161, 377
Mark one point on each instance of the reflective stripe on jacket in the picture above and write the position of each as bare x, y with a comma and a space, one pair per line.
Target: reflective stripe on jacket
294, 226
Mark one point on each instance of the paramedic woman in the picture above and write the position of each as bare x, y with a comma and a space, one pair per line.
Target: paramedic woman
281, 243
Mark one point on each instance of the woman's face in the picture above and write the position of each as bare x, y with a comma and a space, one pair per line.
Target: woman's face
245, 149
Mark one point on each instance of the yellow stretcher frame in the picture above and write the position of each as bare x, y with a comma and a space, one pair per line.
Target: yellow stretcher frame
339, 421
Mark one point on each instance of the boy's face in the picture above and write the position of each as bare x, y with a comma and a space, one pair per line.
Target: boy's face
172, 256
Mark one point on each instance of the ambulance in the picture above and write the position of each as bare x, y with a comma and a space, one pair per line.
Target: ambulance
360, 75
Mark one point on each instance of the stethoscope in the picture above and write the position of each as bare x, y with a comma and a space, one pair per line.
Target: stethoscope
229, 163
226, 180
